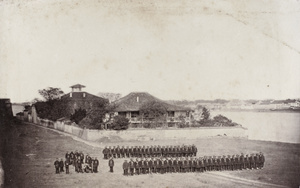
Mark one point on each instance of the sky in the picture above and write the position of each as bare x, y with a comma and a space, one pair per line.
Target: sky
175, 50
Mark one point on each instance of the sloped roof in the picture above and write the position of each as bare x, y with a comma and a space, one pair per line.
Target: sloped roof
79, 96
134, 101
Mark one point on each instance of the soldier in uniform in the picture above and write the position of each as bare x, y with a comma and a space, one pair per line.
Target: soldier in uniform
194, 167
72, 158
111, 164
105, 153
205, 163
114, 152
247, 162
56, 165
209, 163
195, 150
159, 154
130, 151
131, 166
79, 165
67, 156
218, 163
262, 160
202, 165
236, 162
134, 151
118, 151
255, 157
67, 163
140, 165
126, 151
251, 160
125, 168
175, 165
223, 161
61, 165
136, 166
150, 164
190, 164
232, 162
122, 151
227, 162
95, 164
81, 155
242, 161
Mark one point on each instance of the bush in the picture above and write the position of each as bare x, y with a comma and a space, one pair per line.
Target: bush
120, 123
78, 115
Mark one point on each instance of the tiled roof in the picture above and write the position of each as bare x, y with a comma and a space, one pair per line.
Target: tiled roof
80, 96
77, 86
133, 102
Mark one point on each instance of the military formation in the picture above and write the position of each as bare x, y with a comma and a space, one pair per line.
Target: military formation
191, 164
149, 151
157, 159
80, 162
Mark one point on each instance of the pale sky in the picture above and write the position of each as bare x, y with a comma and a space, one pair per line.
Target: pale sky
186, 49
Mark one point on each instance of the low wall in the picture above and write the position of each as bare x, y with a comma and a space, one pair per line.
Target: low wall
145, 134
161, 134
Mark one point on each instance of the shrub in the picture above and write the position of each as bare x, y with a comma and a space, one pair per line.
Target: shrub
120, 123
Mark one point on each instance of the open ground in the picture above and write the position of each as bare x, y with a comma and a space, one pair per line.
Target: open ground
29, 151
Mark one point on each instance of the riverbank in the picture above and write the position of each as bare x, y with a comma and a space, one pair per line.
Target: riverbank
30, 151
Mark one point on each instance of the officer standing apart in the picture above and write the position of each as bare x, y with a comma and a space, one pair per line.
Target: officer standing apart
111, 164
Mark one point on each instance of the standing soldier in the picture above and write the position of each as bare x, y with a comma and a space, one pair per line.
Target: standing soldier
79, 165
130, 150
105, 153
155, 165
255, 157
150, 164
242, 162
126, 151
209, 163
165, 165
146, 166
67, 156
194, 167
67, 163
251, 159
95, 165
180, 165
202, 165
136, 166
75, 163
114, 152
122, 151
140, 165
218, 163
175, 165
223, 162
247, 162
205, 163
56, 165
262, 160
134, 151
61, 165
195, 150
160, 165
131, 166
232, 162
81, 156
72, 158
151, 151
227, 162
118, 151
111, 164
125, 168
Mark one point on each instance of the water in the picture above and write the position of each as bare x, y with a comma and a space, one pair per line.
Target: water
270, 126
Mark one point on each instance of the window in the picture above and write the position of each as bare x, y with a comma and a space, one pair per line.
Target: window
171, 114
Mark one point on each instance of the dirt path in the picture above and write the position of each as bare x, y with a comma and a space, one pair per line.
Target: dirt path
33, 149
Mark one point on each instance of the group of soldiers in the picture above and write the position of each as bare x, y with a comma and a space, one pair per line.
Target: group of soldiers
149, 151
191, 164
79, 161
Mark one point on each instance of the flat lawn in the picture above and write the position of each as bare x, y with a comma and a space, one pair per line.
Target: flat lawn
29, 152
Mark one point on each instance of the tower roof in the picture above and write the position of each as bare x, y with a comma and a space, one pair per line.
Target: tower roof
77, 86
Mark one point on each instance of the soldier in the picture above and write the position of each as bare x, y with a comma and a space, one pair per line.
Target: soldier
255, 157
180, 165
75, 163
232, 162
130, 151
223, 161
175, 165
155, 164
160, 165
202, 165
122, 152
251, 160
136, 166
95, 164
171, 165
79, 165
218, 163
194, 150
205, 163
81, 156
159, 154
126, 151
151, 153
134, 151
105, 153
67, 163
67, 156
72, 158
247, 162
76, 153
227, 162
194, 165
61, 165
87, 158
209, 163
56, 165
140, 166
111, 164
150, 164
109, 152
148, 151
242, 161
131, 166
190, 164
262, 160
125, 168
118, 152
165, 165
147, 167
189, 151
114, 152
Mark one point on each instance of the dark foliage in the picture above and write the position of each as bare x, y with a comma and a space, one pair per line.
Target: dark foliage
78, 115
53, 109
120, 123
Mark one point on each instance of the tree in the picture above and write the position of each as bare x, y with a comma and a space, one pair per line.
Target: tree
153, 111
78, 115
205, 114
96, 115
120, 123
51, 93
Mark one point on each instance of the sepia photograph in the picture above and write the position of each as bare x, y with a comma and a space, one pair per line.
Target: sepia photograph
150, 93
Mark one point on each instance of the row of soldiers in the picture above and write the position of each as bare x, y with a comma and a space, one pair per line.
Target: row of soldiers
149, 151
81, 164
190, 164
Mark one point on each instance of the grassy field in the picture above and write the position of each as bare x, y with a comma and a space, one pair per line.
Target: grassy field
29, 152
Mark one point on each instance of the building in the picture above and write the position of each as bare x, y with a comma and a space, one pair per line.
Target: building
78, 98
130, 105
